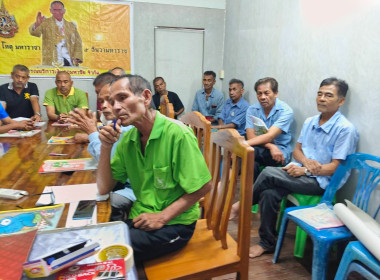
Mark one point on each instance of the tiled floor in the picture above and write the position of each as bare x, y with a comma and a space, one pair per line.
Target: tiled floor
288, 266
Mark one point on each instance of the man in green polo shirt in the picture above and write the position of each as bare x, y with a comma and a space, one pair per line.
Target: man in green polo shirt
59, 101
161, 158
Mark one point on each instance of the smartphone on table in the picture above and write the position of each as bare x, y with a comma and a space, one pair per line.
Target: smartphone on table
84, 210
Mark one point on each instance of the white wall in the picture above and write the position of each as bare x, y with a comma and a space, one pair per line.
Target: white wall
302, 42
147, 16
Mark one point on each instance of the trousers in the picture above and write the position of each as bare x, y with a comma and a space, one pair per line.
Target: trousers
272, 185
149, 245
262, 158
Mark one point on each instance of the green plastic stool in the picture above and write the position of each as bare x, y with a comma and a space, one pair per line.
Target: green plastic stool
255, 208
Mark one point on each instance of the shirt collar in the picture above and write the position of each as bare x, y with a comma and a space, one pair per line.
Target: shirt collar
238, 104
158, 126
59, 23
276, 107
326, 127
156, 132
212, 92
70, 93
10, 86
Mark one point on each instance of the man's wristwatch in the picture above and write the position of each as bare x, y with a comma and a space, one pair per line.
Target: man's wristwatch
38, 114
307, 172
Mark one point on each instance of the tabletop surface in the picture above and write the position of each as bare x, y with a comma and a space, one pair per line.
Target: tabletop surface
24, 156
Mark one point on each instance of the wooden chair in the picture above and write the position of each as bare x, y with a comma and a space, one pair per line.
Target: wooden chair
202, 130
211, 251
166, 108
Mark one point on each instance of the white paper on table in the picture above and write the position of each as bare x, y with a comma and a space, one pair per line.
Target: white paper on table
46, 198
363, 226
39, 124
70, 193
20, 119
70, 222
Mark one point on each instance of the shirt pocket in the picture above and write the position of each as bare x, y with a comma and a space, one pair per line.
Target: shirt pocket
213, 108
163, 178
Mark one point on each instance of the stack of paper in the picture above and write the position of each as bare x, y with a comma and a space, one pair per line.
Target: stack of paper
64, 165
20, 134
61, 140
320, 216
70, 193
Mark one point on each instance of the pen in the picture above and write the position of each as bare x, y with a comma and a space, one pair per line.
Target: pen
114, 124
54, 154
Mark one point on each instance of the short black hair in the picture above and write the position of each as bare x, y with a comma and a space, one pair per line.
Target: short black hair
272, 81
158, 78
62, 72
21, 68
340, 84
103, 78
119, 68
236, 81
56, 2
209, 72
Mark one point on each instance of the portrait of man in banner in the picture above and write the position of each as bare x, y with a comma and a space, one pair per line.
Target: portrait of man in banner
61, 42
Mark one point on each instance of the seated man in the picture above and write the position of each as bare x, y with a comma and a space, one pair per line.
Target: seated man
20, 98
273, 147
156, 156
160, 88
98, 83
123, 198
234, 109
59, 101
6, 123
325, 141
209, 101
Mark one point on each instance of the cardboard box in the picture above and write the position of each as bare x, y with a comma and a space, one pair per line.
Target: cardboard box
56, 261
112, 269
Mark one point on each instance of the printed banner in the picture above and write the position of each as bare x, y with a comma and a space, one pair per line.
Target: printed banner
84, 38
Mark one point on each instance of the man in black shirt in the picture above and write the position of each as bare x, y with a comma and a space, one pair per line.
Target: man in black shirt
20, 98
160, 88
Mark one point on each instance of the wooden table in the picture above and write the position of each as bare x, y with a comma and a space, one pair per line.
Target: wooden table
19, 169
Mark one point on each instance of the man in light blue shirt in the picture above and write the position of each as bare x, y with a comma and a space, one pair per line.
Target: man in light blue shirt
273, 147
325, 141
122, 198
209, 101
234, 109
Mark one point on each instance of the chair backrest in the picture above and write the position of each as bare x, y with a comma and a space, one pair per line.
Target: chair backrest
229, 150
202, 130
367, 168
166, 108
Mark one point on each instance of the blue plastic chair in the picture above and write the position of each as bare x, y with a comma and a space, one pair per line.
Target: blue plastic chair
357, 258
368, 179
